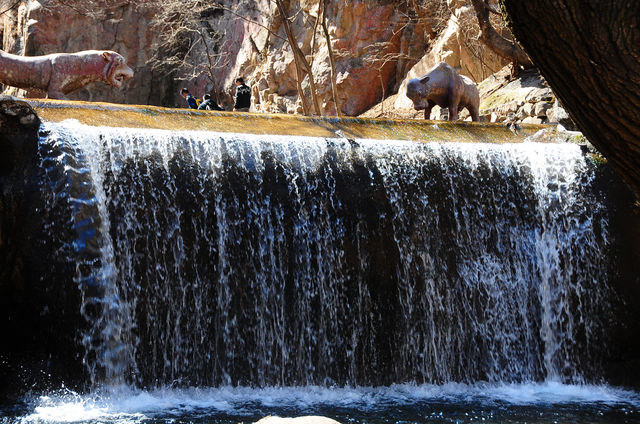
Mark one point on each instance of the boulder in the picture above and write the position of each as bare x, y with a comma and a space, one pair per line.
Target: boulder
526, 96
532, 120
309, 419
557, 114
18, 137
540, 109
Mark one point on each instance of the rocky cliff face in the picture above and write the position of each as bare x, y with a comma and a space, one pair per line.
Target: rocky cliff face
47, 26
376, 42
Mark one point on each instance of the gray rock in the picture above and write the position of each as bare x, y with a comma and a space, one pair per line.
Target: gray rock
507, 108
532, 120
543, 94
527, 110
540, 109
558, 115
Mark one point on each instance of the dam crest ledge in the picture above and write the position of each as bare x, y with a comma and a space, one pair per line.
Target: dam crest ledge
155, 117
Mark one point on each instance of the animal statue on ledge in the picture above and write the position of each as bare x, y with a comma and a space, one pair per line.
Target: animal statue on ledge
59, 74
445, 87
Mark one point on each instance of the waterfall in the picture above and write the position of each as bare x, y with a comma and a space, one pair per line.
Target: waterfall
215, 259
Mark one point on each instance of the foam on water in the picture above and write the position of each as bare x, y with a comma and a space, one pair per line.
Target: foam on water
137, 406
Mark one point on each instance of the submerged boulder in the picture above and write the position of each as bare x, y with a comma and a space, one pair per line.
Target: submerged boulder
308, 419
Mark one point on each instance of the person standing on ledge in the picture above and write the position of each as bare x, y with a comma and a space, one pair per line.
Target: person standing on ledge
243, 96
191, 101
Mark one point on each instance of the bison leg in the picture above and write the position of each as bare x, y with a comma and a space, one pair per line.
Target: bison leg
473, 111
427, 110
453, 112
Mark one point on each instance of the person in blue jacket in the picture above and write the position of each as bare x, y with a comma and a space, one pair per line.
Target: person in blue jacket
191, 101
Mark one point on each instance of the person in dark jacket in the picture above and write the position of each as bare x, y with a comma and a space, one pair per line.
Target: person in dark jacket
243, 96
191, 101
209, 104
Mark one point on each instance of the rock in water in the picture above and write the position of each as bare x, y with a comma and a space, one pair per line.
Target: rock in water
308, 419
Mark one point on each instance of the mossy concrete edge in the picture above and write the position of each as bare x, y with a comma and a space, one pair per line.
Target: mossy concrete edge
139, 116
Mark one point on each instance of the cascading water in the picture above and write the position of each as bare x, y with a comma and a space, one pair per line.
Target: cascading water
213, 259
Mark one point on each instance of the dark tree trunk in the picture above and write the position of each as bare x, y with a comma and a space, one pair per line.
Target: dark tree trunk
589, 52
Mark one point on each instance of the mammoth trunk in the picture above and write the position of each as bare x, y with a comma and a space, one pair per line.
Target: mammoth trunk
211, 259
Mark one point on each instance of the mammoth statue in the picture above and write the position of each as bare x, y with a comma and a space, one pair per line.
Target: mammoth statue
59, 74
445, 87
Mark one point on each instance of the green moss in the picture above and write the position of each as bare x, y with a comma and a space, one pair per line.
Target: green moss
505, 16
496, 99
596, 159
577, 139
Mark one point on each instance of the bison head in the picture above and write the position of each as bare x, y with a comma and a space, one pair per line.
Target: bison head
418, 90
117, 70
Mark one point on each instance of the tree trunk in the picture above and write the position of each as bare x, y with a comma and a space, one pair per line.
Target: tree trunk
301, 61
332, 60
588, 52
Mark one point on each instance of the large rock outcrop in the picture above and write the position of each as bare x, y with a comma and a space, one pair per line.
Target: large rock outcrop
374, 41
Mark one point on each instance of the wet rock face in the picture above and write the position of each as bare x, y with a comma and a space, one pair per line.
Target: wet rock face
35, 314
18, 135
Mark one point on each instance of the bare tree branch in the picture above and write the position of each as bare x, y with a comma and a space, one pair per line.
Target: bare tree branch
498, 44
379, 59
10, 7
302, 65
